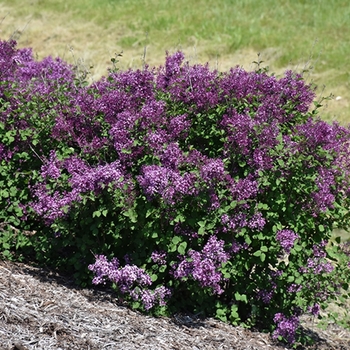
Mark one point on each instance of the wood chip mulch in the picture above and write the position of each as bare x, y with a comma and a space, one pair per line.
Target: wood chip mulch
40, 309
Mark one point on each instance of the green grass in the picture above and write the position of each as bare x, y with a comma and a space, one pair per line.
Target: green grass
292, 26
218, 29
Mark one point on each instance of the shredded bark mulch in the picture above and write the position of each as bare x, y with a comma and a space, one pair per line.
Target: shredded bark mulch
40, 309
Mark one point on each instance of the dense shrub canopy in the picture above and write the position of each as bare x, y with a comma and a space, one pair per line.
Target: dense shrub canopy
186, 188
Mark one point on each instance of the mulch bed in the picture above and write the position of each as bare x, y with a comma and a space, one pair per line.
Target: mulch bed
40, 309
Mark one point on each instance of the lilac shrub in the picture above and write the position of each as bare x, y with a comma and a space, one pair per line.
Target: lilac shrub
219, 190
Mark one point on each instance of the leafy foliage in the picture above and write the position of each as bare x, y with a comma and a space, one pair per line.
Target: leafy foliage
184, 187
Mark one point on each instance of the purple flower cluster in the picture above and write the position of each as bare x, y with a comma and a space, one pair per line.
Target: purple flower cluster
317, 266
129, 279
52, 206
314, 310
204, 266
159, 257
237, 247
286, 327
196, 86
345, 248
168, 184
286, 239
324, 197
124, 277
83, 179
266, 295
52, 168
318, 263
151, 298
294, 288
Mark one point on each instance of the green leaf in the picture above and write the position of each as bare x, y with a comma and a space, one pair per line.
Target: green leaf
6, 245
280, 162
4, 194
290, 279
131, 214
234, 315
263, 206
264, 249
182, 248
180, 218
248, 240
298, 248
176, 239
96, 213
221, 315
241, 297
202, 223
201, 231
262, 257
162, 268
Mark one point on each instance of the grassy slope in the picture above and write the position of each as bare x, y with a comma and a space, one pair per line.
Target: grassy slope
225, 33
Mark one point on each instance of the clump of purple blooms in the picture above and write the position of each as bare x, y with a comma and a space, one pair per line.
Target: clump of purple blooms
286, 327
204, 266
129, 279
318, 263
286, 239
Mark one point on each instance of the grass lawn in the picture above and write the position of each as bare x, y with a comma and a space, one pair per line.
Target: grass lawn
287, 34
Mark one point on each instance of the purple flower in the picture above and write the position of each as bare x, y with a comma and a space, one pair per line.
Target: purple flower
286, 239
172, 156
151, 298
129, 279
318, 264
159, 257
237, 247
204, 266
168, 184
212, 170
234, 222
245, 188
256, 222
286, 327
294, 288
266, 295
314, 310
324, 197
179, 127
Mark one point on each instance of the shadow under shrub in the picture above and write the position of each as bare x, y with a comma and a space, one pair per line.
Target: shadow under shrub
187, 188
